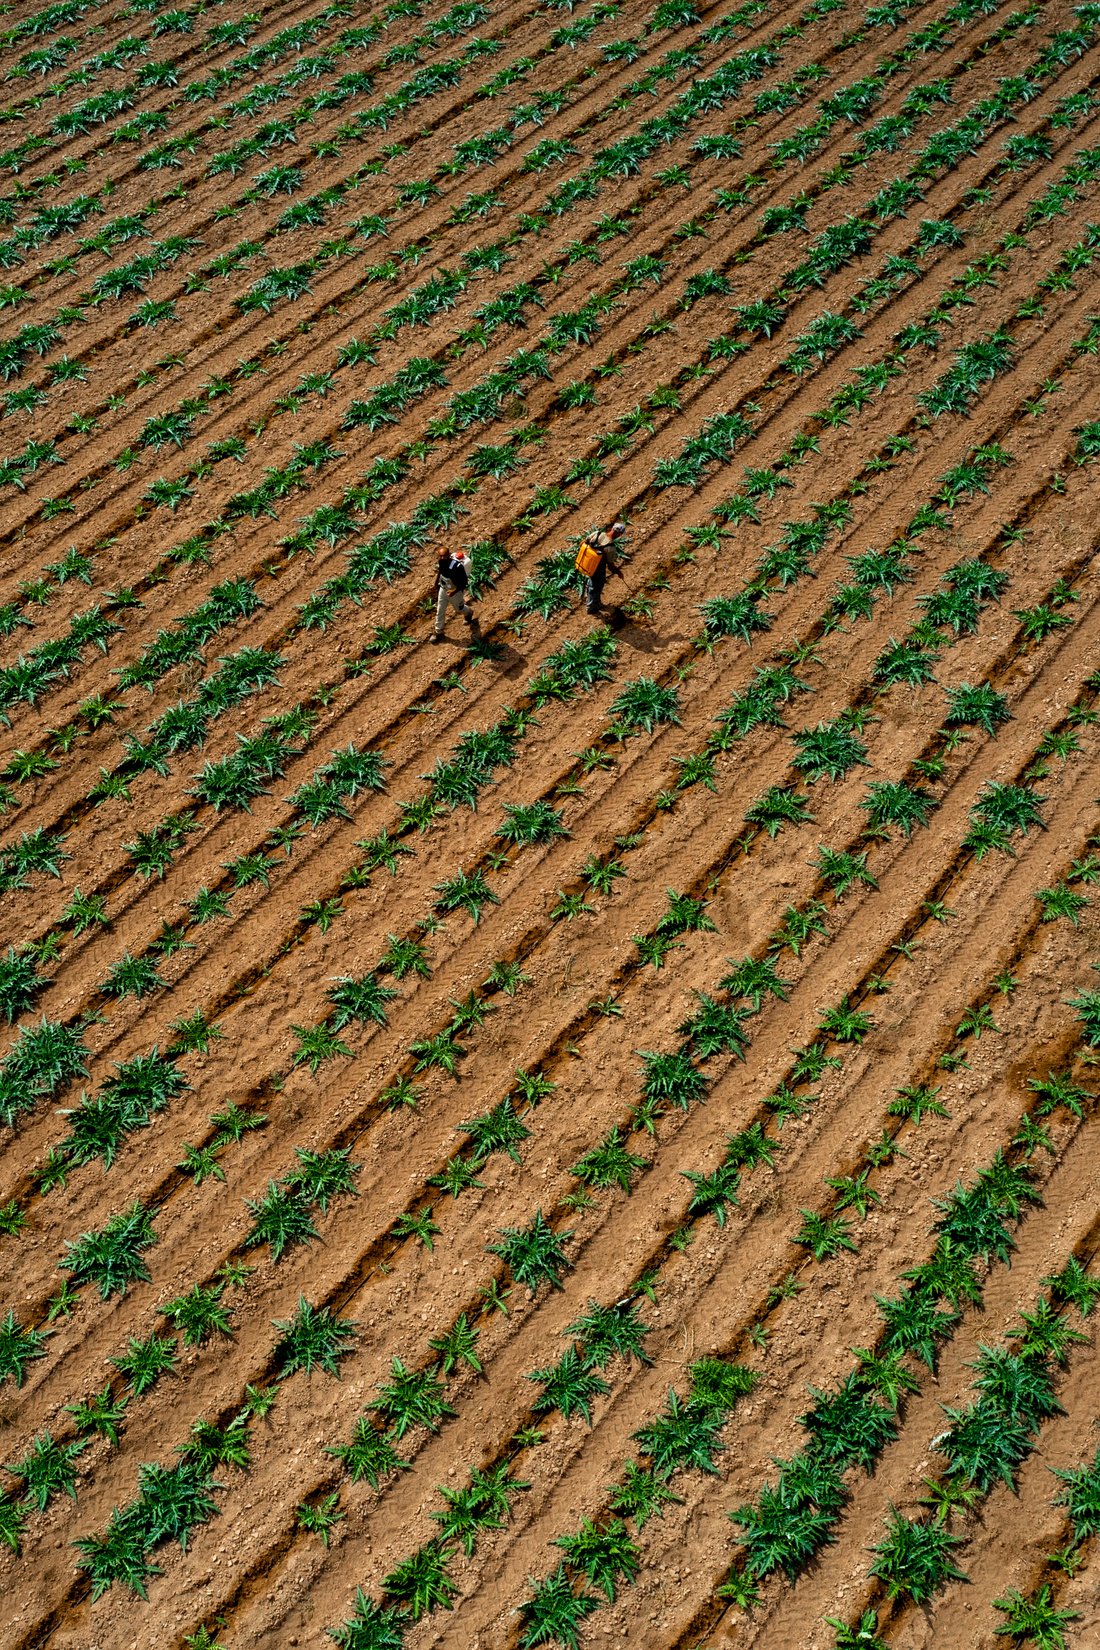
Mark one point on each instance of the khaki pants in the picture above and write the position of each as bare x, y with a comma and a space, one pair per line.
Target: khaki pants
450, 597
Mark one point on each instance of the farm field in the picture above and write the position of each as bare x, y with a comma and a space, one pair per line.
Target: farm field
584, 1134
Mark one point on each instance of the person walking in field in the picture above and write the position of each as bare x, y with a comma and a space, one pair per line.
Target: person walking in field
452, 585
595, 561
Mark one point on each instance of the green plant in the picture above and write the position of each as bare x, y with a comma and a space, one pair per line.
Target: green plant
469, 1012
43, 1059
119, 1555
315, 1338
416, 1223
232, 1124
322, 912
1060, 901
144, 1362
112, 1257
132, 977
534, 822
642, 1494
715, 1028
26, 766
828, 751
320, 1517
210, 1446
751, 978
401, 1092
685, 1436
1081, 1497
554, 1612
382, 850
1046, 1336
12, 1219
194, 1034
319, 1177
642, 706
442, 1050
20, 983
201, 1162
568, 1386
851, 1426
896, 803
799, 925
484, 1504
208, 905
1073, 1286
672, 1079
467, 891
685, 915
1040, 621
863, 1636
234, 1274
917, 1101
914, 1559
780, 805
609, 1164
1035, 1619
534, 1254
101, 1414
568, 906
976, 1020
12, 1519
604, 1554
403, 956
199, 1314
318, 1043
824, 1235
654, 948
48, 1469
1001, 812
506, 977
786, 1103
281, 1219
608, 1332
249, 868
845, 1024
372, 1627
85, 911
362, 1001
411, 1398
458, 1345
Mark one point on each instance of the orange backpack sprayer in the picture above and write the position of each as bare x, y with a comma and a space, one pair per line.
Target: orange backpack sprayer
588, 559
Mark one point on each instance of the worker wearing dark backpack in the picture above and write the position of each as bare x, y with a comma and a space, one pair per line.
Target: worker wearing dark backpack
595, 561
452, 588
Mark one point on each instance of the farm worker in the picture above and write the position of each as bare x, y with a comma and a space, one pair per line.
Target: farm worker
452, 580
595, 561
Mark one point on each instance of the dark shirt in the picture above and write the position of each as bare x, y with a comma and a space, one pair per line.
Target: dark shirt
454, 571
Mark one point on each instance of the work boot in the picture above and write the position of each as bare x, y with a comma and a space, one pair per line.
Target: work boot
437, 636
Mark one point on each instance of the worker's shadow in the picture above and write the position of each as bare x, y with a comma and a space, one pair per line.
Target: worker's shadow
636, 636
505, 659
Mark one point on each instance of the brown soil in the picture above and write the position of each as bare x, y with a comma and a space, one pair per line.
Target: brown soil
942, 931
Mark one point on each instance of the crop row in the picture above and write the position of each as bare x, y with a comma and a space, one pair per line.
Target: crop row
909, 662
903, 664
186, 640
